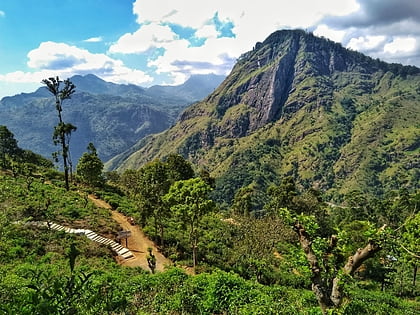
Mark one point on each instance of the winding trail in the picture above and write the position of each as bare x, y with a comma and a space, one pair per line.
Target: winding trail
137, 242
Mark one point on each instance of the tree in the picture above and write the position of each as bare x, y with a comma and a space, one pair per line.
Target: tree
153, 184
62, 131
189, 201
324, 257
90, 167
324, 251
243, 201
178, 168
8, 146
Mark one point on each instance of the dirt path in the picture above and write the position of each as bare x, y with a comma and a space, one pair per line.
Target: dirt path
137, 242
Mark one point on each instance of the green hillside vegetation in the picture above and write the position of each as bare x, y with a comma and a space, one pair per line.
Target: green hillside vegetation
292, 189
300, 106
113, 116
244, 264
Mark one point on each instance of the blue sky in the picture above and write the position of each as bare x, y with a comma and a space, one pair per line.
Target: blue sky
148, 42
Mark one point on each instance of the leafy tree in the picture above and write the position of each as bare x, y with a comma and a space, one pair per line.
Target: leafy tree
325, 258
8, 146
153, 184
243, 201
62, 131
178, 168
189, 200
205, 175
254, 246
283, 195
150, 183
90, 167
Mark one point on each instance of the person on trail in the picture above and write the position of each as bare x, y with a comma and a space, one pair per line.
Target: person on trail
151, 260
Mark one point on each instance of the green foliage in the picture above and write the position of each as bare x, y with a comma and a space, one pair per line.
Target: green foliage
90, 167
216, 293
8, 146
265, 270
376, 302
189, 202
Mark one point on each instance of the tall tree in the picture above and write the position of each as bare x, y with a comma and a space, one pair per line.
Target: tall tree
189, 200
62, 90
178, 168
90, 167
152, 186
323, 249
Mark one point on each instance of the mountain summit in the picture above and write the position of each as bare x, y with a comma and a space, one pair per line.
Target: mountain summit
302, 106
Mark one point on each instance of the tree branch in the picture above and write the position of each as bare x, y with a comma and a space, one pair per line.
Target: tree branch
318, 286
411, 253
362, 254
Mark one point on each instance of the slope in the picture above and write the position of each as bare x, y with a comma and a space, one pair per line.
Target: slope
112, 116
301, 106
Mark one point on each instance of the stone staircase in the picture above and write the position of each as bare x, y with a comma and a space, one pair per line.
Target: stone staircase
117, 248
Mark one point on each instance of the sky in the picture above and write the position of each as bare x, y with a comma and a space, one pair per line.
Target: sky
148, 42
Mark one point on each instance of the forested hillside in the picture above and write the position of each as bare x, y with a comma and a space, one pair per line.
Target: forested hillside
301, 106
276, 262
113, 116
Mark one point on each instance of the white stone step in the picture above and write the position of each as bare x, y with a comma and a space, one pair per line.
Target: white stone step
127, 255
116, 247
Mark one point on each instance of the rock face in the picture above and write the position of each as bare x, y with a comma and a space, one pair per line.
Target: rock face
297, 105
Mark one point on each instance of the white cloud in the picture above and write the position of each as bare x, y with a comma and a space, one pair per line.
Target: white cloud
147, 37
207, 31
401, 45
325, 31
181, 60
51, 59
251, 21
2, 13
94, 39
366, 43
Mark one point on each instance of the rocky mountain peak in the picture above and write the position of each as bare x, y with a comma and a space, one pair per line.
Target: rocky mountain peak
301, 106
289, 70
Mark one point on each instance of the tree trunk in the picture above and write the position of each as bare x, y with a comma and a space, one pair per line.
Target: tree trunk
63, 142
161, 232
331, 298
318, 286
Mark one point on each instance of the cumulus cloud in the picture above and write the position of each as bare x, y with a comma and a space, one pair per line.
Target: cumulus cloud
366, 43
225, 28
373, 12
51, 59
94, 40
147, 37
386, 29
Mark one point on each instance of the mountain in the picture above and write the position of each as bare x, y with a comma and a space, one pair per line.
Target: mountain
302, 106
195, 88
112, 116
94, 85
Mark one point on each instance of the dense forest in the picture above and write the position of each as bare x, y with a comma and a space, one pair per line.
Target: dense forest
297, 255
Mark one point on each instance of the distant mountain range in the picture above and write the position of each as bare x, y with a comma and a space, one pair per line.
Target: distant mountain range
301, 106
112, 116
